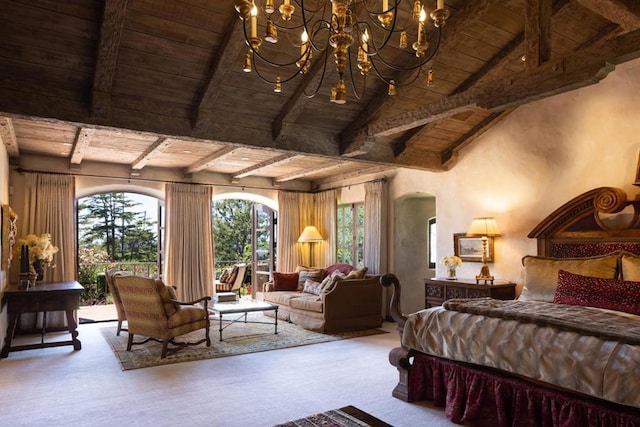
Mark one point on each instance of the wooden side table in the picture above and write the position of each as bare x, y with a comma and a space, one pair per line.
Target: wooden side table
438, 290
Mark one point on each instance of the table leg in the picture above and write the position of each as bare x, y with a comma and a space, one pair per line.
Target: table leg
11, 328
220, 327
276, 321
73, 330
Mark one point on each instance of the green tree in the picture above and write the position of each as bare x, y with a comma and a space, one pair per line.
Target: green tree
232, 231
111, 222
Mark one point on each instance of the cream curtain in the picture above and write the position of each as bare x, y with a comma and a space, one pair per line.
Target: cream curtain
325, 219
188, 246
289, 229
296, 211
375, 233
50, 208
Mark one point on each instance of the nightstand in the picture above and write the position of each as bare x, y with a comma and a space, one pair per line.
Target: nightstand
438, 290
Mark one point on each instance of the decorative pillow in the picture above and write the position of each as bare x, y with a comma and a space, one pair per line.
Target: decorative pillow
330, 281
343, 269
613, 294
357, 274
232, 276
630, 267
169, 307
285, 281
541, 274
312, 287
315, 275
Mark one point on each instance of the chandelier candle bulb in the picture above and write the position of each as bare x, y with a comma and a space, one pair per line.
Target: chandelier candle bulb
254, 21
385, 5
440, 4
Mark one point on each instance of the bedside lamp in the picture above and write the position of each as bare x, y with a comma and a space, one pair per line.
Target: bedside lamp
310, 235
484, 227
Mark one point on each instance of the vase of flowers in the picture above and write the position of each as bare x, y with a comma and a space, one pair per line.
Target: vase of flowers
452, 262
41, 251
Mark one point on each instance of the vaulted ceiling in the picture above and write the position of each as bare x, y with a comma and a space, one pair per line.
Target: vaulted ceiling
148, 84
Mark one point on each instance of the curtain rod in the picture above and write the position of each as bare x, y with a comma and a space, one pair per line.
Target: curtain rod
252, 187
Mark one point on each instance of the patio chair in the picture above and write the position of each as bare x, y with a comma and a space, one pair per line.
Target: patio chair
151, 312
237, 279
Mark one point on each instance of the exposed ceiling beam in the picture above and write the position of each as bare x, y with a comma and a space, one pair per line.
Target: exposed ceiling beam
309, 171
337, 178
352, 141
258, 167
160, 146
110, 32
210, 159
582, 68
625, 13
537, 32
80, 145
296, 103
8, 136
223, 61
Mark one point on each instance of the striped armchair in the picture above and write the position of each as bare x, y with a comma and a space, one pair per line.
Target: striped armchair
151, 312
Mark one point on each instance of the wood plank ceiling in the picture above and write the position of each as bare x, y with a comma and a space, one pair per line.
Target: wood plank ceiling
159, 84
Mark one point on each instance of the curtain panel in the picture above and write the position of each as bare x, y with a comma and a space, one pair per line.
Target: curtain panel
375, 227
188, 263
50, 208
289, 229
325, 219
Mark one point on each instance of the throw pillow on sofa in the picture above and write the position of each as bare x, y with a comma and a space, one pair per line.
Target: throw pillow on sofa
311, 287
285, 281
315, 275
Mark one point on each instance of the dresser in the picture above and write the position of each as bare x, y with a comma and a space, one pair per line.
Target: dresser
438, 290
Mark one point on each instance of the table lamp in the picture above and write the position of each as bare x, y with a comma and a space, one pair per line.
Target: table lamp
484, 227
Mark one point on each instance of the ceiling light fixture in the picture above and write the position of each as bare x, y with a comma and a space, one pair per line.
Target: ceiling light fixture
383, 36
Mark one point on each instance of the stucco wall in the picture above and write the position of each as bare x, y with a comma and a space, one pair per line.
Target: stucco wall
540, 157
4, 199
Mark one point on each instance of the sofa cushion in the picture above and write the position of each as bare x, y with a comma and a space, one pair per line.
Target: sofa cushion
283, 298
311, 287
357, 274
232, 276
307, 302
315, 275
341, 268
225, 275
612, 294
285, 281
541, 274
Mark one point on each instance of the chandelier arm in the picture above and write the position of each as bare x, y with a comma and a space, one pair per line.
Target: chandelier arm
353, 81
395, 82
324, 70
266, 80
418, 65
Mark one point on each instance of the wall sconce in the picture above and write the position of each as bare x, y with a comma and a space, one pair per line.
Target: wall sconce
310, 235
484, 227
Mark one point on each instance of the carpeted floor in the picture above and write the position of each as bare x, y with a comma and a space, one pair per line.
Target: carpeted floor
239, 338
349, 416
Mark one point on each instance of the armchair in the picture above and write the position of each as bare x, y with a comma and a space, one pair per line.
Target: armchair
151, 312
116, 296
235, 281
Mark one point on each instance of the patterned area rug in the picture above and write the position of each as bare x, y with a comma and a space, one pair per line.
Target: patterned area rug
239, 338
349, 416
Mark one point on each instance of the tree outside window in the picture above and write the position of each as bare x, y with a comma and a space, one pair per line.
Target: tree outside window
351, 234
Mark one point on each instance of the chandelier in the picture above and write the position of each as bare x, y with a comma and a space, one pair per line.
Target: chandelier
388, 38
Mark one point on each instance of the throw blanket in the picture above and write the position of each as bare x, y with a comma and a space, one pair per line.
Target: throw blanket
583, 320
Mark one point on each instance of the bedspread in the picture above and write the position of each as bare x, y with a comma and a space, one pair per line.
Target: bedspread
603, 368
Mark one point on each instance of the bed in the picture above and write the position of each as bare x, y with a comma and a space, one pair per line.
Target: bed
566, 353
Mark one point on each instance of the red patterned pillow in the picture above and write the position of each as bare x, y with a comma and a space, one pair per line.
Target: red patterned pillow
620, 295
285, 281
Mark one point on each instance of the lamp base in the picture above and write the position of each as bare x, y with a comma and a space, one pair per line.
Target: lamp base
484, 275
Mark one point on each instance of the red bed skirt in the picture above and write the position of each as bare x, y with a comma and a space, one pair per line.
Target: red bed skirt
487, 398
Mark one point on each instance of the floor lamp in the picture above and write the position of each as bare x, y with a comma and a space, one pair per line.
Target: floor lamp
310, 235
484, 228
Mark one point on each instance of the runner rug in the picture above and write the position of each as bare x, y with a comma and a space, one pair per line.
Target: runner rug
349, 416
239, 338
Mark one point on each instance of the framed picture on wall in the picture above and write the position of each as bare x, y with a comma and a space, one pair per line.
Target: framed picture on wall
470, 248
9, 219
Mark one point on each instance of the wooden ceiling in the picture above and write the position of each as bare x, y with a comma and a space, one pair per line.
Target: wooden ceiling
159, 84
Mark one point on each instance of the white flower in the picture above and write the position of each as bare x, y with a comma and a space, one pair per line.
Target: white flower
40, 248
451, 261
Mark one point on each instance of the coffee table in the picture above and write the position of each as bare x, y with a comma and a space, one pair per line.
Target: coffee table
242, 307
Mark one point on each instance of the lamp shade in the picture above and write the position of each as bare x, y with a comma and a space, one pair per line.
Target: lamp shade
484, 226
310, 234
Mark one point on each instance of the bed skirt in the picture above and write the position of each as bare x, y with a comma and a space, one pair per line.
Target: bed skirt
488, 398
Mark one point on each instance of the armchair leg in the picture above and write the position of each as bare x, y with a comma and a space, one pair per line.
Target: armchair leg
119, 328
165, 343
130, 341
206, 331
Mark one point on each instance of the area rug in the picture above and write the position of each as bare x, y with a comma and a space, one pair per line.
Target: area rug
239, 338
349, 416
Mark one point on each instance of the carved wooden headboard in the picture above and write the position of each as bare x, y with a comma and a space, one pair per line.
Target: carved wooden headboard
597, 222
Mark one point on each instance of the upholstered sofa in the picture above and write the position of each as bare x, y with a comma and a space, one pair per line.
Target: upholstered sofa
334, 299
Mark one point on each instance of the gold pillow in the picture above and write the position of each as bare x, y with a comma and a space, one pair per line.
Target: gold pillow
541, 274
630, 267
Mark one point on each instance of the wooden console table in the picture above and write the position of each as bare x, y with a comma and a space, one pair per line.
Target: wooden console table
61, 296
438, 291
